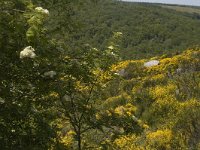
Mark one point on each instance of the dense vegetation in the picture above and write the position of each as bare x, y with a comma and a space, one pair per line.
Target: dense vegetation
148, 30
186, 9
163, 100
63, 84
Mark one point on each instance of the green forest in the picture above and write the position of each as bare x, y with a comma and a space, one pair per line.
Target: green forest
99, 75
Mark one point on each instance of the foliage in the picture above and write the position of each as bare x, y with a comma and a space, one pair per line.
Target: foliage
59, 92
160, 104
27, 98
148, 30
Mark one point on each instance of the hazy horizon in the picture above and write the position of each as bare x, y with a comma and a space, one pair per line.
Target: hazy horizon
179, 2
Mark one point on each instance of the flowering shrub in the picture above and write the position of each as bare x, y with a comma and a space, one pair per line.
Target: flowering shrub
35, 20
160, 139
128, 142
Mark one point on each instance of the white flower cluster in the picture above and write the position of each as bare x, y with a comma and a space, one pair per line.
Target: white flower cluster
2, 101
112, 53
41, 10
50, 74
118, 33
111, 47
28, 52
117, 74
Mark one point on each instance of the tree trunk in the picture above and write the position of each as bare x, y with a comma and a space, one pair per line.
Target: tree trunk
79, 141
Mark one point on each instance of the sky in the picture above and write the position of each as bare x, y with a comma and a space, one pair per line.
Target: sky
181, 2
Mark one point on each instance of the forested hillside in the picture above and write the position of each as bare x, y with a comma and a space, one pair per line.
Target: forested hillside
66, 83
186, 9
148, 29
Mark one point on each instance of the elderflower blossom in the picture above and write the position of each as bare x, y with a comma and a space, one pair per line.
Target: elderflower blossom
111, 47
112, 53
50, 74
43, 11
116, 73
2, 101
118, 33
27, 52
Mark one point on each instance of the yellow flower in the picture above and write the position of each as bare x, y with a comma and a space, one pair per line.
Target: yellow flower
54, 95
71, 132
108, 113
160, 138
120, 110
98, 116
145, 126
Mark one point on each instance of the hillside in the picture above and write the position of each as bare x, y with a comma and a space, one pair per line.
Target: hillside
65, 86
157, 105
186, 9
148, 30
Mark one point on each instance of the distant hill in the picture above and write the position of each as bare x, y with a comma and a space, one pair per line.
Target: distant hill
185, 9
148, 29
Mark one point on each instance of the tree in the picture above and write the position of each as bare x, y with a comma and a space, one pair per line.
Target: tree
31, 77
81, 84
25, 63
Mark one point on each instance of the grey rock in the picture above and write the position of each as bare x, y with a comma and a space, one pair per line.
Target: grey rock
151, 63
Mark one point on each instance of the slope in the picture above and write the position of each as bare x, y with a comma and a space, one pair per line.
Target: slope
148, 29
